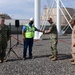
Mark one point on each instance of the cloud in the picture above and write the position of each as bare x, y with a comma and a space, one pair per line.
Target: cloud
18, 8
25, 8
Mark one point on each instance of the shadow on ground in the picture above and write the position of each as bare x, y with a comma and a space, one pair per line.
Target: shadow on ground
64, 56
59, 57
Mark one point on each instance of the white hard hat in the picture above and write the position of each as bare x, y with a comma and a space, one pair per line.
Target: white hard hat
31, 19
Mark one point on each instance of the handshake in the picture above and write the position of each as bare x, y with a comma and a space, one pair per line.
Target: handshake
45, 32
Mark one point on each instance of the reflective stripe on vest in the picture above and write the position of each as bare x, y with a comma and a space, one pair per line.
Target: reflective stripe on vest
29, 31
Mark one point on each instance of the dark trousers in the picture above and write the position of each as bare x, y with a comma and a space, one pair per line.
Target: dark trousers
28, 43
3, 46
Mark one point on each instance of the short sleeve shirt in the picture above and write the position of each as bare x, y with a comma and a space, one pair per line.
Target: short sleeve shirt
53, 33
24, 28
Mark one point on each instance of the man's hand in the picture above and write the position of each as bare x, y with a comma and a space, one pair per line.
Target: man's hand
45, 32
73, 45
23, 38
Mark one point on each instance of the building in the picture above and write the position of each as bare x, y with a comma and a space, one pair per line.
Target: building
6, 16
52, 12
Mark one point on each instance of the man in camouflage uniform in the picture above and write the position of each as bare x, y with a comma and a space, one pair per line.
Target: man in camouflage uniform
4, 37
54, 39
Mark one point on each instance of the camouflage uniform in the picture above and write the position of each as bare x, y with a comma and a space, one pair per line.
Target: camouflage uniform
54, 38
4, 37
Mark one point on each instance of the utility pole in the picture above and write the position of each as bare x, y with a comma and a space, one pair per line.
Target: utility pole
58, 17
37, 18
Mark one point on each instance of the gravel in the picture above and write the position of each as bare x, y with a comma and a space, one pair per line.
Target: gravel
41, 64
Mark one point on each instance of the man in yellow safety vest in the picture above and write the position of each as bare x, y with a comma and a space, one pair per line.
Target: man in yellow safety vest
28, 37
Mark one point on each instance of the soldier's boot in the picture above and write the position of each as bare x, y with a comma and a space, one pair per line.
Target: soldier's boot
5, 60
72, 60
73, 63
52, 56
2, 60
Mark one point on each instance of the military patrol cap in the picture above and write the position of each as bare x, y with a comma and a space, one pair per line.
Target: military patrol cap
49, 18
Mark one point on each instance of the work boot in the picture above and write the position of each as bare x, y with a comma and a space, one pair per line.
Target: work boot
31, 57
52, 56
24, 58
73, 63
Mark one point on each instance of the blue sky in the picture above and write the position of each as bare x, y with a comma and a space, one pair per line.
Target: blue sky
24, 9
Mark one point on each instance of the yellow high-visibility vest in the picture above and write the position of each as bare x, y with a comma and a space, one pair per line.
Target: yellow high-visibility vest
29, 31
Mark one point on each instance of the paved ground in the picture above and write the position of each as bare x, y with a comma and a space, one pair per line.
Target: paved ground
41, 65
